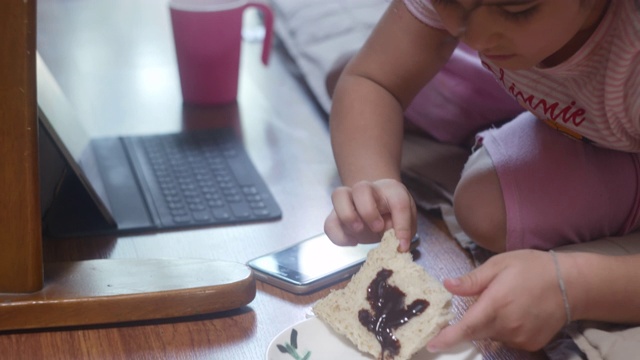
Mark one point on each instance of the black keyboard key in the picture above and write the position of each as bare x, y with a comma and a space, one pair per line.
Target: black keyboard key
201, 216
221, 214
240, 210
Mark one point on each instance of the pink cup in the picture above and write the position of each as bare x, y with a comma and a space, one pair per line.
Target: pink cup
208, 35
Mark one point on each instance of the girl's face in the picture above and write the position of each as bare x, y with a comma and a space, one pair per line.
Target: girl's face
520, 34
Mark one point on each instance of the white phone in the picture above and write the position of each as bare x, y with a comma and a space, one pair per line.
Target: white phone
311, 264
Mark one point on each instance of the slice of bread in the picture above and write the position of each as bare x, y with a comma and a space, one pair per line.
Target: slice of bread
341, 309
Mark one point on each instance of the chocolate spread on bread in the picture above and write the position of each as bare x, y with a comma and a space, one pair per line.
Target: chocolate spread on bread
389, 311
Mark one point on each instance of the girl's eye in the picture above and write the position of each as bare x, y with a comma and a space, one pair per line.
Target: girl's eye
512, 12
444, 2
517, 13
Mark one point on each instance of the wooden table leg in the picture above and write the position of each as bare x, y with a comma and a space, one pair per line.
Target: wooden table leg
20, 229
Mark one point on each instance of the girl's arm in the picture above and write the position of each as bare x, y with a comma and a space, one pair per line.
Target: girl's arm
400, 57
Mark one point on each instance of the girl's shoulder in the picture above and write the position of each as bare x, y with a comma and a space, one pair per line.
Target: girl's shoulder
628, 16
423, 10
618, 33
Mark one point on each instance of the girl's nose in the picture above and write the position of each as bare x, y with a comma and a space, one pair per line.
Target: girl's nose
478, 31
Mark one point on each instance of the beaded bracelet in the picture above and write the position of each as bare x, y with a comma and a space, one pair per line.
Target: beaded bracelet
563, 289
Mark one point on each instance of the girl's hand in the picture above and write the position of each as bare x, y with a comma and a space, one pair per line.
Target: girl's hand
364, 211
519, 304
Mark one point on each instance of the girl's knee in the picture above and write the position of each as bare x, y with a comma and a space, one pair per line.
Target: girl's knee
479, 204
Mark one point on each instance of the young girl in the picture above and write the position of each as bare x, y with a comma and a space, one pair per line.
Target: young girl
566, 171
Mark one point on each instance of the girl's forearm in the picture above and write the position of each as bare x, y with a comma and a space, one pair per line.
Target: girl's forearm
375, 87
602, 287
366, 131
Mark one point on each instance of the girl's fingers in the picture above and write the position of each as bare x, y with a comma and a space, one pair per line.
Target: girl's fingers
474, 282
478, 323
363, 212
334, 230
345, 209
366, 202
399, 203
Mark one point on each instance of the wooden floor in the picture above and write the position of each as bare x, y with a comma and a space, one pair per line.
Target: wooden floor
114, 59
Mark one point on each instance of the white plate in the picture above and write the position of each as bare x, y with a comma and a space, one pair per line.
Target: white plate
317, 341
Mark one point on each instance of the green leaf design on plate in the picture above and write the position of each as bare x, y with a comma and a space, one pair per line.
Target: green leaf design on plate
291, 347
294, 338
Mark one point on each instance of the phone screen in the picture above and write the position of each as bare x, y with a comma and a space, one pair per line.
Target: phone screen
311, 259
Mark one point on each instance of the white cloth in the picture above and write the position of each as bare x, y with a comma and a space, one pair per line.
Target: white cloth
318, 32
